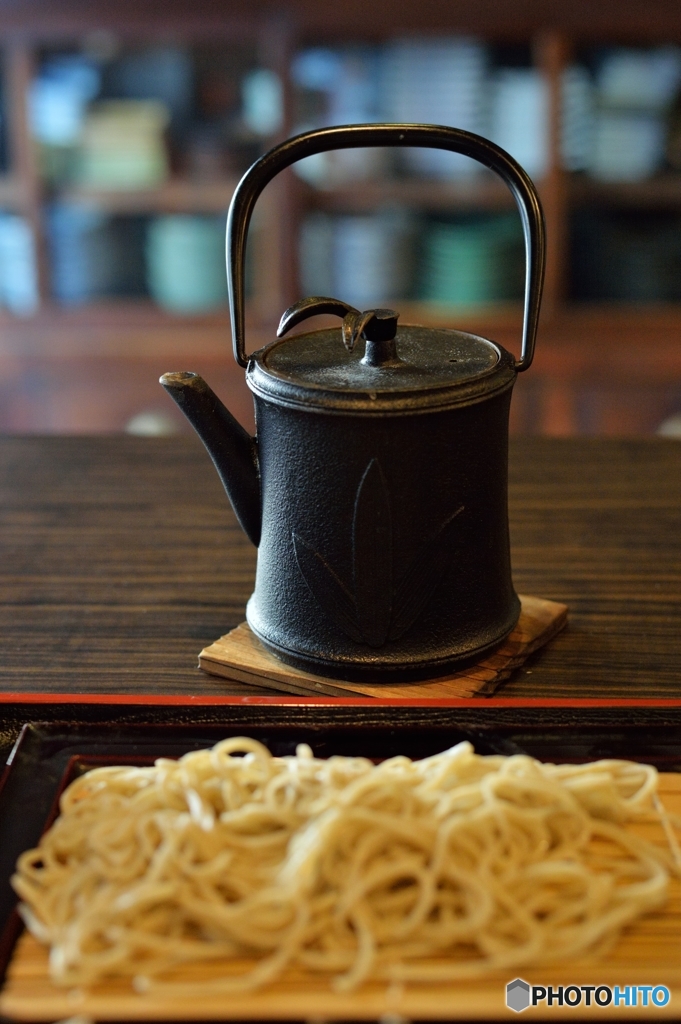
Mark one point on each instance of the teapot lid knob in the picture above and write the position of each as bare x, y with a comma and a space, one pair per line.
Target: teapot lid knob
377, 326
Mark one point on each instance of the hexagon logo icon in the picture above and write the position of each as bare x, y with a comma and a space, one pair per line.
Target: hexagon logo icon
517, 995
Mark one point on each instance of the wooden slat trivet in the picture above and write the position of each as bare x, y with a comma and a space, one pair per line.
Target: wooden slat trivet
240, 655
648, 953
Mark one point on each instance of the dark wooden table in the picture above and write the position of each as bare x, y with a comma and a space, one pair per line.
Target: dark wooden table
121, 559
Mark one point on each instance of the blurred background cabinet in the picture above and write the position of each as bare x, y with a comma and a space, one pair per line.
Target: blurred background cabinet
125, 127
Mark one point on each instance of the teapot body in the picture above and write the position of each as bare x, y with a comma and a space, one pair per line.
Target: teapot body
376, 489
384, 551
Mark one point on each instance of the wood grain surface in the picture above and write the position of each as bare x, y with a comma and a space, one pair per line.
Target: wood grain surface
646, 954
240, 655
120, 560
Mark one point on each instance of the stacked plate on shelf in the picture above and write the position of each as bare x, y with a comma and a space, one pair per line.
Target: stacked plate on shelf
185, 257
634, 92
436, 81
123, 146
18, 271
346, 79
365, 260
624, 256
473, 261
94, 255
577, 123
370, 260
179, 259
519, 117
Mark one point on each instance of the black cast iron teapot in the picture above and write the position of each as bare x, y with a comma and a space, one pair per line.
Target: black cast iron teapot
376, 486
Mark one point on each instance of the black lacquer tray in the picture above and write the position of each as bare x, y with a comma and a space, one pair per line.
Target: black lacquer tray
47, 756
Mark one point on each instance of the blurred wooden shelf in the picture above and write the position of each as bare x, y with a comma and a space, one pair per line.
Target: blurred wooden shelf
488, 193
621, 318
612, 319
131, 329
179, 195
139, 328
120, 312
599, 342
600, 367
486, 317
94, 367
59, 22
483, 193
663, 192
623, 20
12, 193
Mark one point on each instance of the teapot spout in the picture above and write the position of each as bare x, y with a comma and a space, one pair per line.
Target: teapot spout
233, 451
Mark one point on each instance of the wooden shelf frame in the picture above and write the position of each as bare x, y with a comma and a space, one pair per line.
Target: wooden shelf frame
485, 192
662, 192
580, 346
277, 285
22, 189
551, 52
177, 195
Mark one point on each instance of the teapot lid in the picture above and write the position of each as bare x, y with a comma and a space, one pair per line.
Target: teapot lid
370, 365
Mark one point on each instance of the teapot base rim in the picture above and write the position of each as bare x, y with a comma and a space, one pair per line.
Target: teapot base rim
370, 670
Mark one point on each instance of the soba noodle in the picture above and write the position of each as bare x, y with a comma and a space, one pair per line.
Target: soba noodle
450, 867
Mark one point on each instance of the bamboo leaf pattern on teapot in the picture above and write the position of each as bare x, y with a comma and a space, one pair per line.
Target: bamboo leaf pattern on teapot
372, 556
327, 589
374, 610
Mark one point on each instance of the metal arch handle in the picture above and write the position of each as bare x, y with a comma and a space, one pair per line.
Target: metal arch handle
355, 136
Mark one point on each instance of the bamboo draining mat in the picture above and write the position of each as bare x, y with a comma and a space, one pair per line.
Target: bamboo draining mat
240, 655
648, 954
